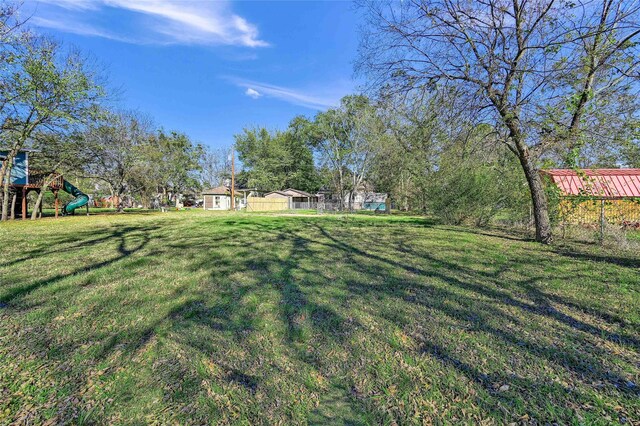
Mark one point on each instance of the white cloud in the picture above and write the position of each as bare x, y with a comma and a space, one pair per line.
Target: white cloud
75, 4
163, 22
78, 28
252, 93
312, 99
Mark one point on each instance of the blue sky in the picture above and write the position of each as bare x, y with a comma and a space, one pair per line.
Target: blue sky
211, 68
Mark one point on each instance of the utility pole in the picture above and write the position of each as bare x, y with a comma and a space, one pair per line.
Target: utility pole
233, 181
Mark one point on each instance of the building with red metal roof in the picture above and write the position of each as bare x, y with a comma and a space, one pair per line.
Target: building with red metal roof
594, 195
600, 183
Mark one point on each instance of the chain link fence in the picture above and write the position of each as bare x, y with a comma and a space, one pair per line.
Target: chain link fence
338, 207
598, 219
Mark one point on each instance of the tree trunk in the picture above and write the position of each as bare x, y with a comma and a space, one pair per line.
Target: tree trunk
341, 184
538, 198
13, 205
5, 196
111, 199
353, 190
37, 207
405, 194
120, 208
5, 169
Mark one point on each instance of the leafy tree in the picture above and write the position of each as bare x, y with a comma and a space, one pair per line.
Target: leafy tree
125, 153
406, 158
620, 148
50, 88
276, 160
55, 153
631, 153
474, 181
346, 140
176, 162
12, 41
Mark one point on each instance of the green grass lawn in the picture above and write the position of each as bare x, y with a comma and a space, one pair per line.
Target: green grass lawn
633, 235
82, 211
204, 318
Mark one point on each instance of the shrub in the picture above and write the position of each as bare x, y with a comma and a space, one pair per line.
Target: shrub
475, 193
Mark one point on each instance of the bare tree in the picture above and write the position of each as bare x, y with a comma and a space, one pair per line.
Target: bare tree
535, 68
216, 167
112, 152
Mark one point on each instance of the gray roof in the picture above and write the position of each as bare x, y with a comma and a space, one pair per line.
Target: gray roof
219, 190
291, 192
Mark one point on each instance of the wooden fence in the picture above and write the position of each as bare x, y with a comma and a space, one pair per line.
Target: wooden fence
261, 204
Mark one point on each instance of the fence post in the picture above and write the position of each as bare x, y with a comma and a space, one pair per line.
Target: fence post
602, 221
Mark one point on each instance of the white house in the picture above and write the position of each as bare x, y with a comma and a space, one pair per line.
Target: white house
218, 198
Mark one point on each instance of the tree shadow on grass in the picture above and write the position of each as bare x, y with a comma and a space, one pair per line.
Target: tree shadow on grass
619, 260
283, 271
583, 364
121, 234
500, 233
573, 250
541, 306
72, 242
249, 262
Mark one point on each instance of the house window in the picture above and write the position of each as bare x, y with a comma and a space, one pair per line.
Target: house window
217, 201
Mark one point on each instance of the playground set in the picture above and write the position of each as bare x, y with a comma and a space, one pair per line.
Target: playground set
24, 180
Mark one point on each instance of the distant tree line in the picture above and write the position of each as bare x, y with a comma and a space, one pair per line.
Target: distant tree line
421, 154
467, 101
